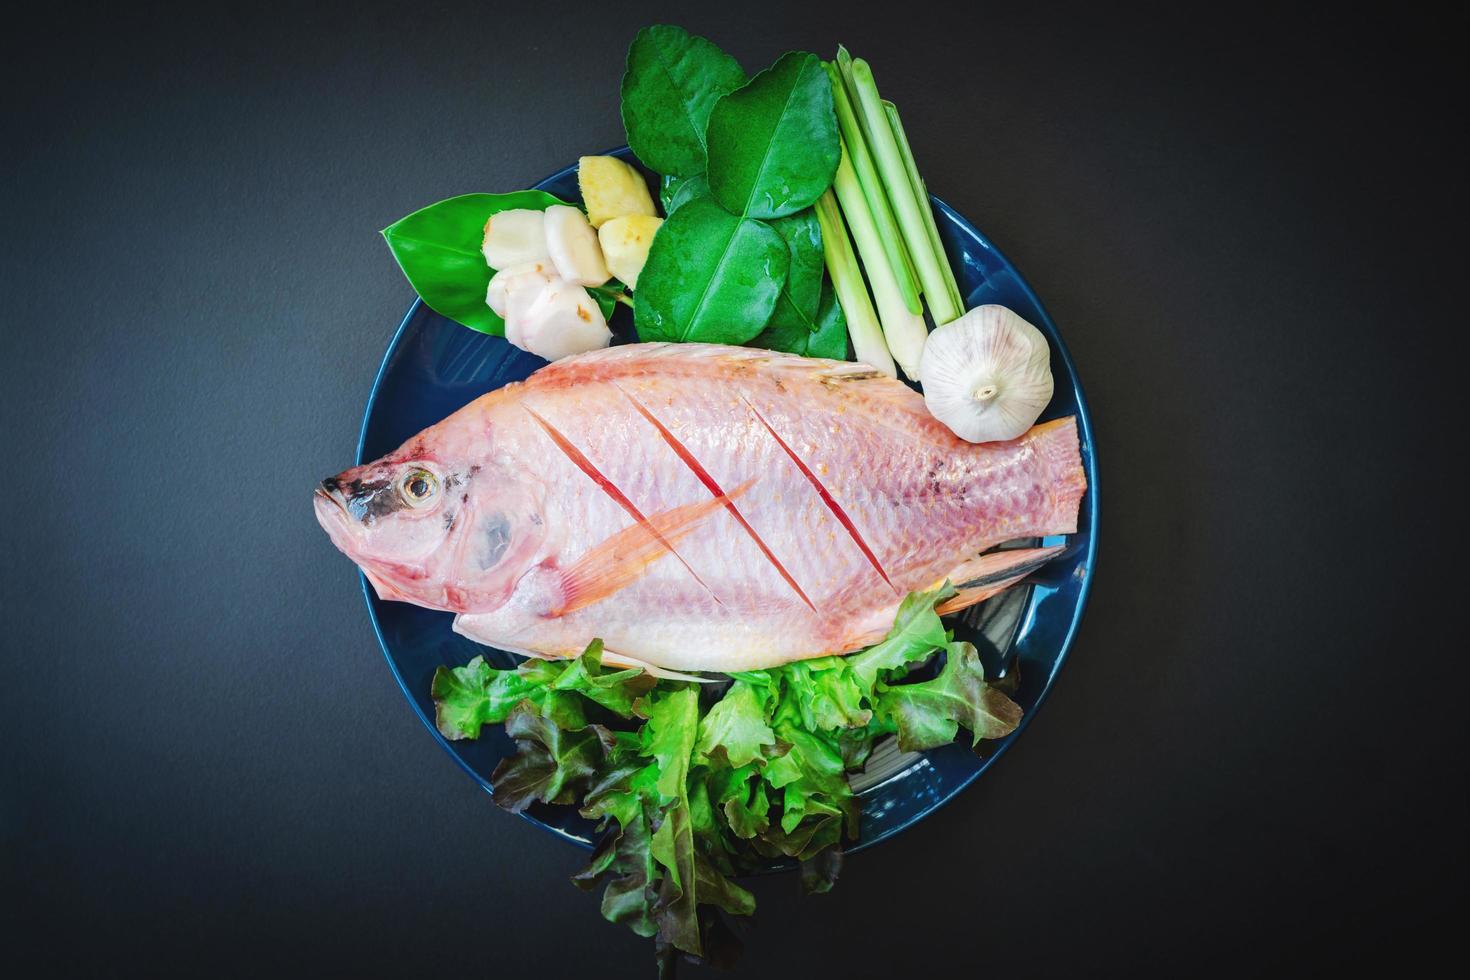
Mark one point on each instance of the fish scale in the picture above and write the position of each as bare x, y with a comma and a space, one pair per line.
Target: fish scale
707, 508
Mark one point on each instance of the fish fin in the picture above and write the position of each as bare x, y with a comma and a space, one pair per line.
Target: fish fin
695, 360
622, 559
621, 660
1057, 446
466, 624
982, 577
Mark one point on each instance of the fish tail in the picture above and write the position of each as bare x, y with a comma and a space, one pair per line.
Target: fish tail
1057, 446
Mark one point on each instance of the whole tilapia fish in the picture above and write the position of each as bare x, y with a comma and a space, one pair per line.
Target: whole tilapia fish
698, 508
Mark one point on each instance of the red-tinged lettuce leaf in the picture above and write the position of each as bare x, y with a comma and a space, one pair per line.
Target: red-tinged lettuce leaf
735, 727
917, 632
552, 764
929, 714
820, 873
624, 860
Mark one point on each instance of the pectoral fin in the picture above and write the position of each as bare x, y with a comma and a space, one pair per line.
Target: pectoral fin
622, 559
980, 578
615, 659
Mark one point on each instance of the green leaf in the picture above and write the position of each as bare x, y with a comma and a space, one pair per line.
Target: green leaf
717, 890
671, 82
741, 794
737, 726
438, 248
929, 714
625, 861
710, 277
668, 736
468, 697
826, 700
803, 290
814, 792
829, 340
678, 191
615, 690
772, 144
917, 632
551, 764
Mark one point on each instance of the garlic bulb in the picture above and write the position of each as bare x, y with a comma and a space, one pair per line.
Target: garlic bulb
986, 375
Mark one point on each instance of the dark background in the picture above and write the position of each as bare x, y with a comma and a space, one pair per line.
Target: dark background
1249, 225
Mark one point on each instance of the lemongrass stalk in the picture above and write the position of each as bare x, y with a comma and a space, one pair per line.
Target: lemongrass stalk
852, 294
904, 332
926, 208
867, 174
905, 205
843, 65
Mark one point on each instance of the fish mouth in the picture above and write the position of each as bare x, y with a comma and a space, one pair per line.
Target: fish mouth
331, 491
332, 514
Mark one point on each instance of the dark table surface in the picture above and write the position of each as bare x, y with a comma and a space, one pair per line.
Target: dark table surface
1249, 226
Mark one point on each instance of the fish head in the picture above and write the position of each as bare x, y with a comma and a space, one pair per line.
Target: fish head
435, 532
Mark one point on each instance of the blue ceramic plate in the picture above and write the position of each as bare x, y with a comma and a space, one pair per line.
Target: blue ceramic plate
434, 367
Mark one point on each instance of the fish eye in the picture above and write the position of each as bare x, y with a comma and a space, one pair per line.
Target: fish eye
418, 487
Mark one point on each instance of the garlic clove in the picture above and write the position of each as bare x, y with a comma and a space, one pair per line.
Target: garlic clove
987, 375
518, 277
555, 321
514, 237
518, 303
573, 246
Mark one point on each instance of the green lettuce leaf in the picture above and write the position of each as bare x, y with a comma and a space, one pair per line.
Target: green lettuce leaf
825, 694
615, 690
470, 697
929, 714
691, 793
736, 727
917, 632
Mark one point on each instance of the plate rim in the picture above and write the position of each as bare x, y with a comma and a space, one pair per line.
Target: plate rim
1090, 465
